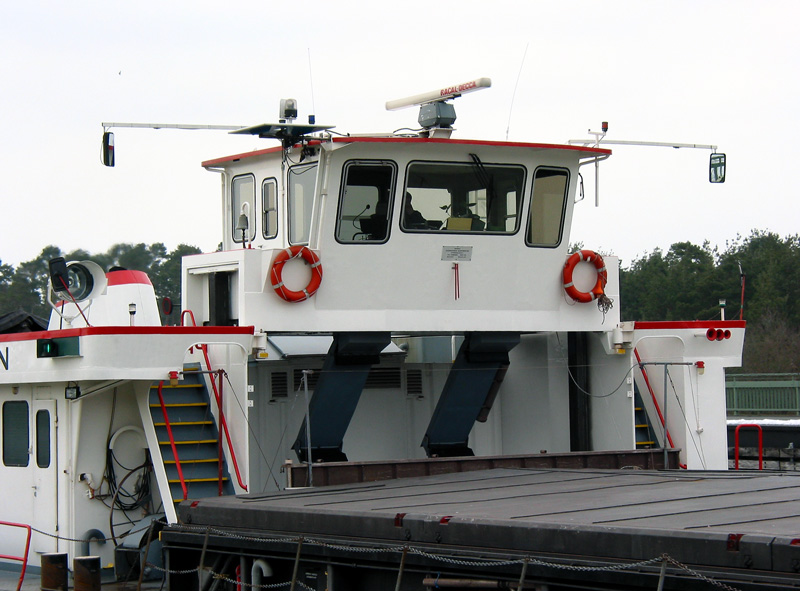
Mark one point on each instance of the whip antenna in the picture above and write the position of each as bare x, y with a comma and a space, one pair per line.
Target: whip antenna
514, 94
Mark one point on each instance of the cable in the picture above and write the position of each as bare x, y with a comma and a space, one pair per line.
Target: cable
253, 433
685, 420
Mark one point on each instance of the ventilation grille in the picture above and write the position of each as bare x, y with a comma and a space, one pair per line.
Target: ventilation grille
384, 377
313, 378
378, 377
414, 382
279, 384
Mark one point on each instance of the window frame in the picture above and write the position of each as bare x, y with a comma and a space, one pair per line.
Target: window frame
43, 436
520, 206
265, 212
366, 162
528, 229
235, 212
308, 215
13, 457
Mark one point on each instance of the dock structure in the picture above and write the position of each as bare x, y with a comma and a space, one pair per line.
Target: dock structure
503, 528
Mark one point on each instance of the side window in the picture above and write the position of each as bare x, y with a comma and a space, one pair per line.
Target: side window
464, 198
16, 433
365, 202
243, 200
548, 205
301, 201
43, 438
269, 200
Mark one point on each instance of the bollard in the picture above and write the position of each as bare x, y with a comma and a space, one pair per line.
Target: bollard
54, 572
86, 573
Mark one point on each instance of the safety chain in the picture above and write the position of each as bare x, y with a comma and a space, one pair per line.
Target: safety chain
411, 549
100, 540
450, 560
694, 573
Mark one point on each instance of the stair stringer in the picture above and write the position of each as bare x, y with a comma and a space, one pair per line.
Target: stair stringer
159, 469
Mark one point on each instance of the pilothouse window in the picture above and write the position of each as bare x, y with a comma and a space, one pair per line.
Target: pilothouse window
461, 197
548, 204
243, 201
269, 198
301, 201
365, 201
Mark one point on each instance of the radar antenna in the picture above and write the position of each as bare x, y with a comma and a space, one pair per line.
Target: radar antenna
436, 115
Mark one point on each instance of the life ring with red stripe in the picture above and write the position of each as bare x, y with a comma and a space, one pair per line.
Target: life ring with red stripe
597, 291
276, 273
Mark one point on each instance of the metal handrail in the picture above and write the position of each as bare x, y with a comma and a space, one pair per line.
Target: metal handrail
760, 445
190, 314
24, 557
172, 441
222, 421
655, 403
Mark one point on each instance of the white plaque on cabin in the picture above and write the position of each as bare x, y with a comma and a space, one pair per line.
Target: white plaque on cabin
457, 254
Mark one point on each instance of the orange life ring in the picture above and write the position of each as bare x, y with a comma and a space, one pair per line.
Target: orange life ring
310, 257
588, 256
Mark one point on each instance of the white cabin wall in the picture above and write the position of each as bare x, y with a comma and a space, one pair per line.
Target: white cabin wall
92, 425
612, 409
534, 398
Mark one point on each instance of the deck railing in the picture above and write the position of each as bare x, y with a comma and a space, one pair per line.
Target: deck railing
763, 394
24, 558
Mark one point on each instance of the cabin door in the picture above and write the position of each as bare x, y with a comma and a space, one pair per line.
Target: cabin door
44, 463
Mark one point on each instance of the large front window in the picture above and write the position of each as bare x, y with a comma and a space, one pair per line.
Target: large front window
366, 201
462, 197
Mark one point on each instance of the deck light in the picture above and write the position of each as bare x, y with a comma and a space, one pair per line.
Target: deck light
72, 392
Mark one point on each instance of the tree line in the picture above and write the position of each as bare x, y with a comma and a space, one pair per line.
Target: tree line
686, 282
25, 287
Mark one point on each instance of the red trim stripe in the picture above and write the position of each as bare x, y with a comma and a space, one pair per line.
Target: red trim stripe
696, 324
126, 277
588, 150
127, 330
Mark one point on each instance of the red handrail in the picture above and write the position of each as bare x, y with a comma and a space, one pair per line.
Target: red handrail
219, 439
222, 421
655, 402
172, 441
191, 314
24, 557
760, 445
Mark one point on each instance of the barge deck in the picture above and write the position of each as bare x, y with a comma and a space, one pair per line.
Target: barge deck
552, 528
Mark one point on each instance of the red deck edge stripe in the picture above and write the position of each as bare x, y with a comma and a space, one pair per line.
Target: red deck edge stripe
589, 150
127, 330
670, 324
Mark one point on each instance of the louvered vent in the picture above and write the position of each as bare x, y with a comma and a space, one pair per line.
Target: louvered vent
313, 377
384, 377
279, 384
414, 382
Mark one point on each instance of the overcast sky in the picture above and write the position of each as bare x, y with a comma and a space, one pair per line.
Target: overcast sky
705, 72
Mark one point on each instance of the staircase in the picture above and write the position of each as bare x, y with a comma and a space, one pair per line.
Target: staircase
195, 435
645, 437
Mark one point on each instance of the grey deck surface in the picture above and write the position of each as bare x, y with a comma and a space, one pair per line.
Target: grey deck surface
711, 518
